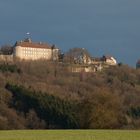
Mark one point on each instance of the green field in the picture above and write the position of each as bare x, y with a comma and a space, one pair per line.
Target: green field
70, 135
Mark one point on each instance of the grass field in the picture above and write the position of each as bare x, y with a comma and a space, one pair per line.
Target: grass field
70, 135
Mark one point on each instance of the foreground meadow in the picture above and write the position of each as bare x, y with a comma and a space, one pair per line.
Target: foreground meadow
70, 135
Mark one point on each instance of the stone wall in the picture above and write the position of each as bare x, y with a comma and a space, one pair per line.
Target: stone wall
6, 58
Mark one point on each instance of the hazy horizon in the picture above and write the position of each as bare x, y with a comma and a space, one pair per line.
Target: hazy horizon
101, 26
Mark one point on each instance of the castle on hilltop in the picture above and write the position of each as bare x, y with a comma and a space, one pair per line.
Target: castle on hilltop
28, 50
77, 59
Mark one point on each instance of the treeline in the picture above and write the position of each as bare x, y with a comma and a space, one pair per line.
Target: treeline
45, 95
6, 49
56, 112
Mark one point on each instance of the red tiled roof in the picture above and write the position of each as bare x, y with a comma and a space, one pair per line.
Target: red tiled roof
33, 45
107, 56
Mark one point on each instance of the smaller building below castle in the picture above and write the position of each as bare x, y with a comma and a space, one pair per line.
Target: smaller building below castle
110, 60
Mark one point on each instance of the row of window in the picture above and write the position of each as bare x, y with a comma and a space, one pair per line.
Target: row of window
35, 56
27, 51
34, 52
35, 49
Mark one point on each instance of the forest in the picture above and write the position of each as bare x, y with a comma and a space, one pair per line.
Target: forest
46, 95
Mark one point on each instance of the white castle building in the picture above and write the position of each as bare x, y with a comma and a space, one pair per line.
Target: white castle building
28, 50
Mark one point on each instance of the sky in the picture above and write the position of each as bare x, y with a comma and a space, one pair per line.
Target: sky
101, 26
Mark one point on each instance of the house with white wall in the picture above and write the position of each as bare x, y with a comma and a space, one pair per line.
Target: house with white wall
28, 50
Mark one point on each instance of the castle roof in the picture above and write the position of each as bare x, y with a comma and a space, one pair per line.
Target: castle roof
29, 44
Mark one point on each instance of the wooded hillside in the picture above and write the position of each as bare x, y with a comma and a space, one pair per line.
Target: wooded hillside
40, 94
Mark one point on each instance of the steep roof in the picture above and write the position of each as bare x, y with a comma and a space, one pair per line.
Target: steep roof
107, 56
28, 43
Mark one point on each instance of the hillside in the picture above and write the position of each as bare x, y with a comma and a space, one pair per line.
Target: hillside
41, 94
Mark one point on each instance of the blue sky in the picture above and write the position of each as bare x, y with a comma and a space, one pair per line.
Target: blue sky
101, 26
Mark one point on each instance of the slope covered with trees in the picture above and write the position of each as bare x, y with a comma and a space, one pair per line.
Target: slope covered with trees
45, 95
